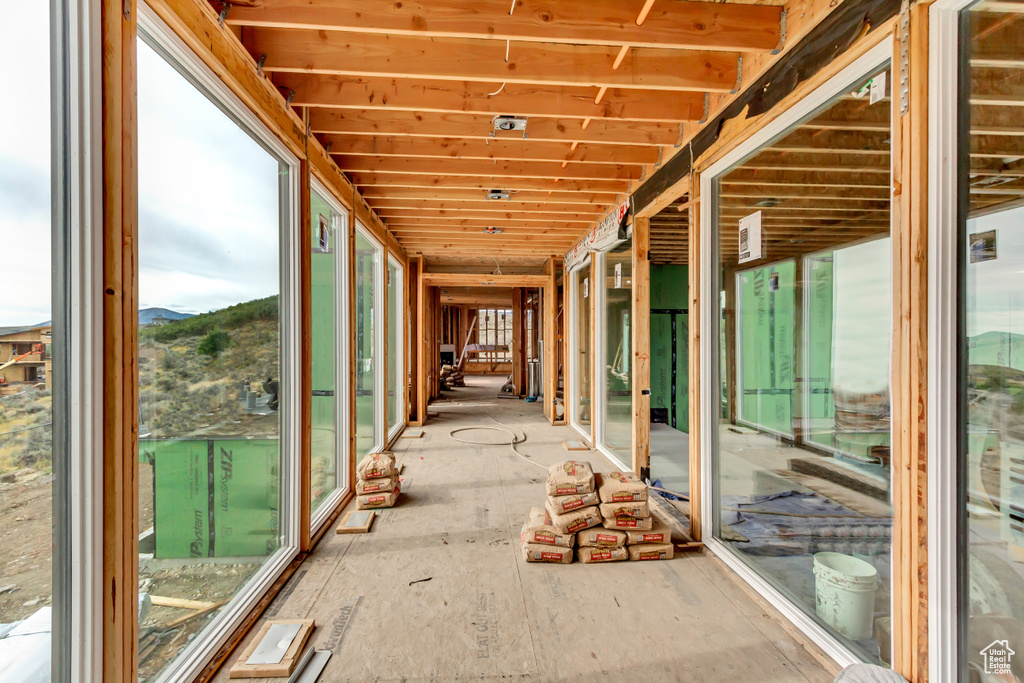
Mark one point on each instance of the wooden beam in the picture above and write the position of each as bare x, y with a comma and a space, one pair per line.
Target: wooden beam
640, 345
675, 26
119, 348
481, 127
448, 220
467, 97
506, 149
482, 280
477, 168
427, 196
458, 59
424, 180
386, 206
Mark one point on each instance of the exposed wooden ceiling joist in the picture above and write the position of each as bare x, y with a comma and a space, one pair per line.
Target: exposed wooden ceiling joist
476, 168
508, 207
487, 183
501, 149
483, 280
481, 127
458, 59
418, 95
380, 195
396, 216
673, 25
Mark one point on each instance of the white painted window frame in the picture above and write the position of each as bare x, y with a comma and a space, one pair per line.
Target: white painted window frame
198, 653
342, 402
78, 75
873, 59
943, 283
574, 368
379, 330
399, 382
600, 383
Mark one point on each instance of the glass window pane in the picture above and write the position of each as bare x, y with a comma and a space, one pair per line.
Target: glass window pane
27, 466
617, 432
583, 345
992, 346
802, 454
396, 375
209, 356
367, 265
327, 249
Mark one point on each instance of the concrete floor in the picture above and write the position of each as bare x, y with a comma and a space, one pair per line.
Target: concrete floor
438, 591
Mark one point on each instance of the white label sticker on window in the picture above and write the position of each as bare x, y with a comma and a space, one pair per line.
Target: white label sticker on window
586, 287
750, 237
878, 88
618, 276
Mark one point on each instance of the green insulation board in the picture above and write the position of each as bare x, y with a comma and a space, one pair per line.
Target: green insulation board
765, 346
323, 335
215, 497
670, 292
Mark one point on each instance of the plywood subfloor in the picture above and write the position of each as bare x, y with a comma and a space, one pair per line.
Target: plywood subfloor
484, 614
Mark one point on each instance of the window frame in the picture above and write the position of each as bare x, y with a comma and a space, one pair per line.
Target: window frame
342, 402
708, 406
573, 339
947, 549
379, 337
198, 653
398, 382
600, 380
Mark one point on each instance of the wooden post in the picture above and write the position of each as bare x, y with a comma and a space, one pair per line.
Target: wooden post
694, 367
120, 341
640, 331
304, 241
910, 358
550, 355
518, 350
421, 346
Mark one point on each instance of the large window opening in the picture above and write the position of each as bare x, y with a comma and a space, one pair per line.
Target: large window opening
581, 348
614, 270
369, 340
991, 343
800, 455
396, 339
328, 263
215, 399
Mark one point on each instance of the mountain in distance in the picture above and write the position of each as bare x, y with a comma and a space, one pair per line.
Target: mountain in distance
1001, 349
148, 315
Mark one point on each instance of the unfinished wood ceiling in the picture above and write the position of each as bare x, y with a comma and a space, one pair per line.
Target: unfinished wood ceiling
996, 100
405, 96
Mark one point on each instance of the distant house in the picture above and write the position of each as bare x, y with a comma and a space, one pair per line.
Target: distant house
25, 355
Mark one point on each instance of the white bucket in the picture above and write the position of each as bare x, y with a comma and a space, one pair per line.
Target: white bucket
844, 593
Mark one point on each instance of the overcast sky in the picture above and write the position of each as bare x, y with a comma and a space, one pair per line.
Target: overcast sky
25, 163
208, 193
208, 199
995, 289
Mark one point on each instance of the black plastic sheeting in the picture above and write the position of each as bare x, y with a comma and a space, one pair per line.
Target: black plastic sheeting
826, 41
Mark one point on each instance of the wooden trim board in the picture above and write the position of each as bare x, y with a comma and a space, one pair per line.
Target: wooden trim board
345, 528
287, 664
